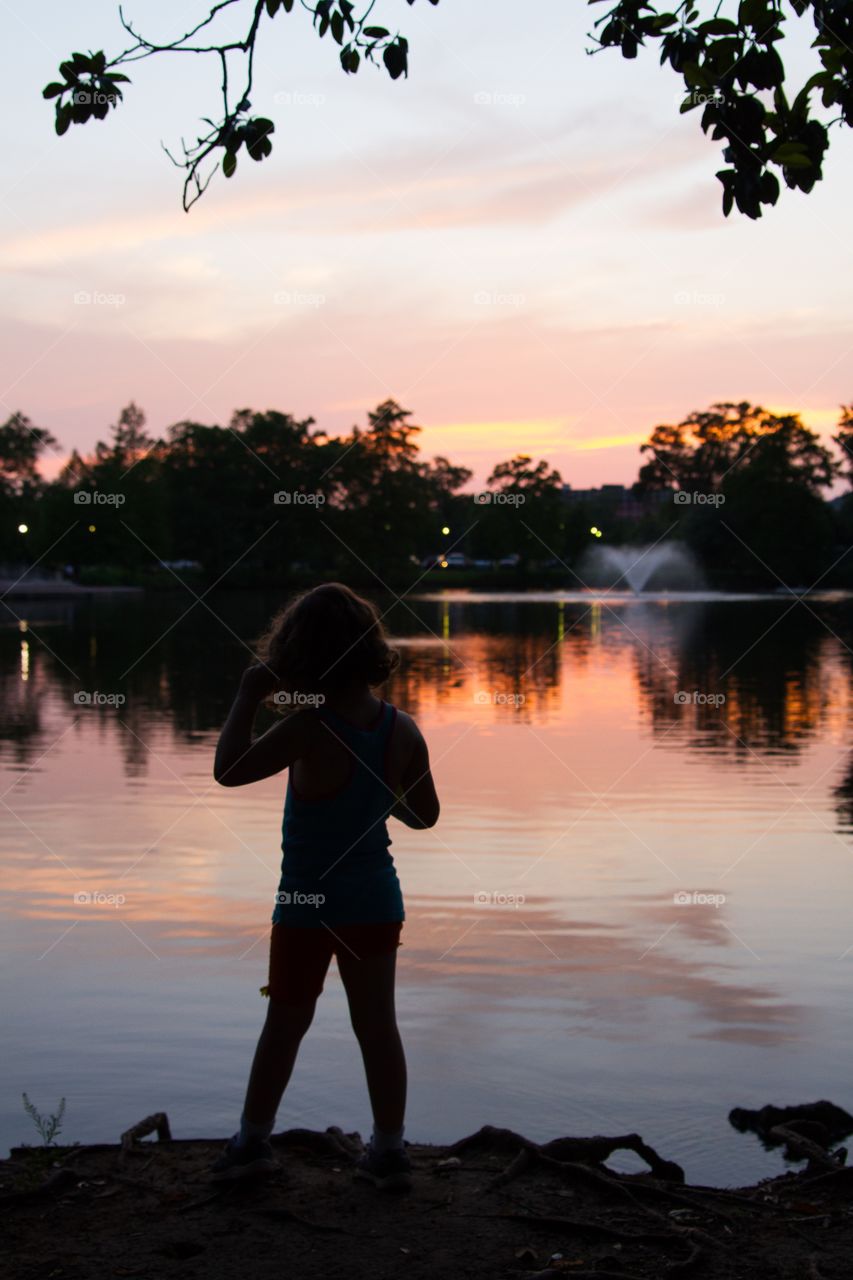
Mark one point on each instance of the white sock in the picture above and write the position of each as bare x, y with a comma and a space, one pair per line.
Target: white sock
382, 1142
249, 1131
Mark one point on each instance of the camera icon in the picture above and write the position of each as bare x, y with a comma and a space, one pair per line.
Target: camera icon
83, 498
283, 498
482, 899
82, 298
681, 497
82, 899
681, 697
681, 898
284, 897
483, 498
483, 99
482, 698
283, 698
82, 698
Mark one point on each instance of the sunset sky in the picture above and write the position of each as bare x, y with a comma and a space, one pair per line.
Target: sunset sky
522, 244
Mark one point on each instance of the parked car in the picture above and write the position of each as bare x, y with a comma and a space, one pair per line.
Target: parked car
510, 562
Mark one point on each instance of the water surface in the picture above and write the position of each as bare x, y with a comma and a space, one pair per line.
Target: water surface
632, 916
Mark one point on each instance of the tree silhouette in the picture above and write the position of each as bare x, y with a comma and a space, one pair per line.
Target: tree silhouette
731, 67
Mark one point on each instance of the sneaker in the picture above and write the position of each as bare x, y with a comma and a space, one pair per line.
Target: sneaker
391, 1171
241, 1162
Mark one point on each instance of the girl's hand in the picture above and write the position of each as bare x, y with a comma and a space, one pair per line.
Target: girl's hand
257, 682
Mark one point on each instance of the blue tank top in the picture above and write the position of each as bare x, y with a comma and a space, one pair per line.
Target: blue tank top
336, 866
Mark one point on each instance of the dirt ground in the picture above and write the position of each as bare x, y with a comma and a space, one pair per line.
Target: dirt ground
491, 1205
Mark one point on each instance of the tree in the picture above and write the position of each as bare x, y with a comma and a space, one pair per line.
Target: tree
90, 83
522, 511
21, 446
730, 66
844, 439
21, 487
384, 514
709, 445
770, 523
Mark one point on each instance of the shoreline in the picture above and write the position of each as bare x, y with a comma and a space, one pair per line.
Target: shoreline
489, 1205
21, 590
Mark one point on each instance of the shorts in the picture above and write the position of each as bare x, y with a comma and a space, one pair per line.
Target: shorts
300, 955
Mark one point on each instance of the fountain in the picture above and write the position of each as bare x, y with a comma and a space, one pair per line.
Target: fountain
666, 565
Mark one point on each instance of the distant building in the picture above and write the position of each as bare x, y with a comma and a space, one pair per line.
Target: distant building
620, 501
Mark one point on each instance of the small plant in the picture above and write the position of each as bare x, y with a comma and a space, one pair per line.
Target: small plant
47, 1126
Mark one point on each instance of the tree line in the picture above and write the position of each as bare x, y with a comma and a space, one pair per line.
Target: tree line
272, 499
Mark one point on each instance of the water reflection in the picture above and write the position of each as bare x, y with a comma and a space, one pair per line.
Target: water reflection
596, 758
764, 677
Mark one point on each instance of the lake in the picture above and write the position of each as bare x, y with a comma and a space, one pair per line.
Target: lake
632, 916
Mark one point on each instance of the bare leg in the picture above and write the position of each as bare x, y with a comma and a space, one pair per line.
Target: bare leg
275, 1055
369, 985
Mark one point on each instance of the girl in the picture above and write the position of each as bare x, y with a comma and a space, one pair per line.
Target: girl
353, 760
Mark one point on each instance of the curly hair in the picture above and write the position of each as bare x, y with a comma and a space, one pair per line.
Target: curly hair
326, 639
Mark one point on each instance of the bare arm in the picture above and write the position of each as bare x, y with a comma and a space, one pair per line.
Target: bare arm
241, 759
418, 804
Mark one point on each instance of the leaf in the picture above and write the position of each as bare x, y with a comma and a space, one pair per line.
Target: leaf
395, 57
376, 33
718, 27
794, 162
694, 76
229, 163
63, 119
788, 151
53, 89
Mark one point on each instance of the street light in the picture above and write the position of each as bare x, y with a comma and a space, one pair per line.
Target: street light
445, 529
23, 528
